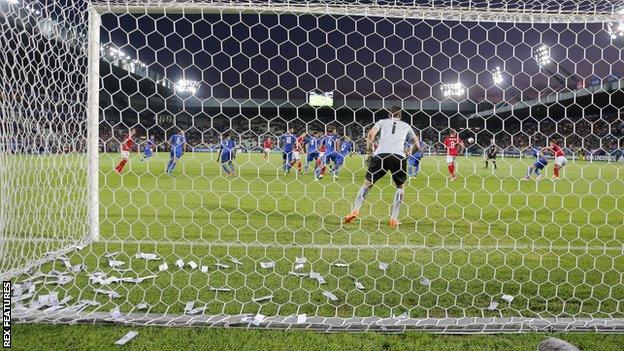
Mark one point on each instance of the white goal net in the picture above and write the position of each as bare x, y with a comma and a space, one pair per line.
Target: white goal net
206, 162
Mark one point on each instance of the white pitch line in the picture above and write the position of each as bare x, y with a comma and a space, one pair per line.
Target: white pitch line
459, 247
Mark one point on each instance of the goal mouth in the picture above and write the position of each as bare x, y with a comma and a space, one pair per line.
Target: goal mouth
208, 163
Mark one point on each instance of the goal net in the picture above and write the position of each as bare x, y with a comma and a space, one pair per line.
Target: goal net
196, 163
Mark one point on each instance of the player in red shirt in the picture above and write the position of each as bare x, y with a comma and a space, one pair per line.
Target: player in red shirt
560, 159
299, 149
453, 144
267, 146
126, 147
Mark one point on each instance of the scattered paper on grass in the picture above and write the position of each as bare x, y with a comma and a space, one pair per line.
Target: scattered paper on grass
67, 264
204, 269
507, 298
142, 306
115, 313
221, 265
403, 315
493, 305
115, 263
301, 260
263, 298
163, 267
340, 264
359, 286
298, 274
298, 266
110, 293
255, 320
112, 254
142, 279
302, 318
146, 256
197, 310
330, 296
126, 338
267, 265
318, 277
189, 306
192, 264
180, 263
424, 281
78, 268
383, 266
220, 289
235, 261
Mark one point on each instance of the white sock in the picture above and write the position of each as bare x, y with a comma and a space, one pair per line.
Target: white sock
396, 205
362, 194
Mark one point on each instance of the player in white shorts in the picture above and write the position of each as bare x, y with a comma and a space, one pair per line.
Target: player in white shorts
559, 154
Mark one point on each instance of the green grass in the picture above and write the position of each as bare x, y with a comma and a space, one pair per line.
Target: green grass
554, 246
86, 337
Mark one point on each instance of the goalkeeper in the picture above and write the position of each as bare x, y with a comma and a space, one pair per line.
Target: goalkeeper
389, 156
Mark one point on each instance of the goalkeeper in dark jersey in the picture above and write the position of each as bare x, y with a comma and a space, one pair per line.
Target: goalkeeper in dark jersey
492, 150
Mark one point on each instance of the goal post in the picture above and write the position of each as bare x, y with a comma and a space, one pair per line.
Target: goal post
144, 229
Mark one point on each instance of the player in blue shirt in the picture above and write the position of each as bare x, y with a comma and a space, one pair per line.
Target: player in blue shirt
538, 166
227, 153
413, 160
332, 145
150, 147
313, 142
346, 146
177, 142
287, 143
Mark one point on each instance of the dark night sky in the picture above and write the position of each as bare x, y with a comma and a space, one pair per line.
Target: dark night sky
285, 56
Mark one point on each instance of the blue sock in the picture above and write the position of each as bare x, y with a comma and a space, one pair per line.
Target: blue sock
537, 171
336, 169
224, 166
232, 167
529, 170
416, 169
168, 166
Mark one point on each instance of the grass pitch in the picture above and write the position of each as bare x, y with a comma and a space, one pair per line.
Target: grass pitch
554, 246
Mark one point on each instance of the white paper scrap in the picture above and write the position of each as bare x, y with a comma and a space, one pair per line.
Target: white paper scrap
189, 306
298, 274
126, 338
192, 264
267, 265
67, 264
163, 267
507, 298
318, 277
142, 306
112, 254
424, 281
115, 263
180, 263
383, 266
112, 294
301, 260
302, 318
493, 305
114, 313
341, 264
263, 298
220, 289
298, 266
197, 310
204, 269
359, 286
146, 256
221, 265
330, 296
403, 315
236, 262
78, 268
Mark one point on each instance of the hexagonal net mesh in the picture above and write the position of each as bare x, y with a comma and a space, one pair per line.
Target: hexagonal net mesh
206, 163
